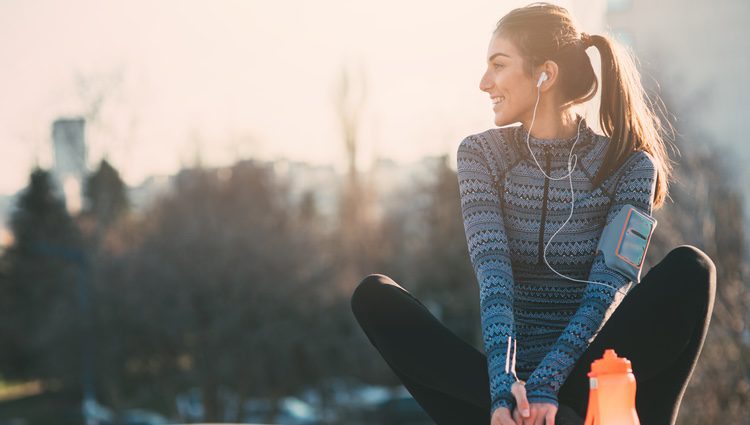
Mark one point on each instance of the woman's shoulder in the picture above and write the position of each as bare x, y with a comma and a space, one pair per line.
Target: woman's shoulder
639, 165
495, 145
638, 160
644, 158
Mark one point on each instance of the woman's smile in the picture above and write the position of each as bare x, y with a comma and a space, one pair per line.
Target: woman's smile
497, 101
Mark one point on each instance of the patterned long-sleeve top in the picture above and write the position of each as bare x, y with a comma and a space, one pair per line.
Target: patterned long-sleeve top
533, 320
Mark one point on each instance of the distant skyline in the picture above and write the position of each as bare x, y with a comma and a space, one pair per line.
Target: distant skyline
240, 79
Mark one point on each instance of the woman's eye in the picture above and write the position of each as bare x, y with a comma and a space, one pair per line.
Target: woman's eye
496, 66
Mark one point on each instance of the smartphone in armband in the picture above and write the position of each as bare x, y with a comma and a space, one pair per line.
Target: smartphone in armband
624, 241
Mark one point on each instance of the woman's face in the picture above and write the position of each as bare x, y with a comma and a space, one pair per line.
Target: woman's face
507, 84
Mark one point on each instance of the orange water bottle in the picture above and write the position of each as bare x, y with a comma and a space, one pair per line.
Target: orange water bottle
612, 392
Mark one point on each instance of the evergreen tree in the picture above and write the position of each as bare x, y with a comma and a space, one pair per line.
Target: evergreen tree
106, 233
106, 196
39, 310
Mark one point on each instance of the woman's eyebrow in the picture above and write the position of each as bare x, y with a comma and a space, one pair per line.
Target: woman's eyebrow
497, 54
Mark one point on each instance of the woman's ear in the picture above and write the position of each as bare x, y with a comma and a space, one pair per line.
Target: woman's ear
551, 69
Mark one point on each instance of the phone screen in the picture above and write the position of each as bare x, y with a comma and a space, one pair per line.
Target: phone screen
634, 241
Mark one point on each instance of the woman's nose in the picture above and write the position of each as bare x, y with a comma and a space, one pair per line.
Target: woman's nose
485, 83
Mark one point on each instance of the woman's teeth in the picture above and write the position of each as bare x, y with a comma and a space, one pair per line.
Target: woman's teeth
496, 100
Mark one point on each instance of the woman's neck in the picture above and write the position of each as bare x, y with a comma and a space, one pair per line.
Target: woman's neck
553, 124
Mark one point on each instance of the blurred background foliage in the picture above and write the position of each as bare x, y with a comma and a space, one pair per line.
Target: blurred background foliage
229, 283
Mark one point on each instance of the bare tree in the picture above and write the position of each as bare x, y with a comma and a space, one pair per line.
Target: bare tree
356, 232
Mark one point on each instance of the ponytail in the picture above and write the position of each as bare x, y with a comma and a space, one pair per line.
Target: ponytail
627, 119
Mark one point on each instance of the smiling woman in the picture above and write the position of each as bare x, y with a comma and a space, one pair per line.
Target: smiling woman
551, 297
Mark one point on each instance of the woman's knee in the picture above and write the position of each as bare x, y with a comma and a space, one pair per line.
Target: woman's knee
365, 292
695, 267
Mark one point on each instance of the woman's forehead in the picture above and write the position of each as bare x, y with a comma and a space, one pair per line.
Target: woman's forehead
501, 47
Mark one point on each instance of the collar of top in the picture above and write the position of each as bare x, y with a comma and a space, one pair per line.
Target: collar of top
556, 148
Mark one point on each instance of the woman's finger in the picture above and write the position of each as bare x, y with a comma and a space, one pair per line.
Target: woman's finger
540, 417
518, 389
531, 420
502, 417
517, 417
508, 421
551, 417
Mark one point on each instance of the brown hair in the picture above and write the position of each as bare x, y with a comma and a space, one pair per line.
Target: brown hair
543, 31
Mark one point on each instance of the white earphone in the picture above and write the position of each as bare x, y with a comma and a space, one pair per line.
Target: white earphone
572, 161
542, 78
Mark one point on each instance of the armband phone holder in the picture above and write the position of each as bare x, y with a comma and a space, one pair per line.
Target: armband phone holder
624, 241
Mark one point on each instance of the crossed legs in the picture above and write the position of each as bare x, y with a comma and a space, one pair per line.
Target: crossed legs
660, 327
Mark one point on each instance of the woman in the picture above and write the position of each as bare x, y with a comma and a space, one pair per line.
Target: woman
550, 301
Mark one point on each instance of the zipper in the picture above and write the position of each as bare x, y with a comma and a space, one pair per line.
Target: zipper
544, 210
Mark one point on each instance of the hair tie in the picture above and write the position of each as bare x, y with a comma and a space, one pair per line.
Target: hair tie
586, 39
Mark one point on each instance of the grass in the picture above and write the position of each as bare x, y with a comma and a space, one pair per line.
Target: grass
37, 406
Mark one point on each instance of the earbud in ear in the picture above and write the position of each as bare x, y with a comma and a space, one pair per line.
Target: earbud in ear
542, 78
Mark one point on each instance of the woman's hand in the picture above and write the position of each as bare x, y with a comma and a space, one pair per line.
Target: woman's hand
530, 413
501, 416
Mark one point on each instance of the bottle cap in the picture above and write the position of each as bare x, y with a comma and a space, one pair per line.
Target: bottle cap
610, 364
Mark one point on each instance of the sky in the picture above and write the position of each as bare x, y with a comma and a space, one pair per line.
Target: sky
163, 82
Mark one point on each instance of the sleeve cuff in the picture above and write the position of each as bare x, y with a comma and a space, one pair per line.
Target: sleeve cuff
500, 392
539, 397
502, 402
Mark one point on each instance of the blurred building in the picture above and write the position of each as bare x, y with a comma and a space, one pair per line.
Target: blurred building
319, 180
700, 55
70, 170
398, 185
148, 191
389, 181
698, 52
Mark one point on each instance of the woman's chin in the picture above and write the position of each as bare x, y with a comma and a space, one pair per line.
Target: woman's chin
501, 120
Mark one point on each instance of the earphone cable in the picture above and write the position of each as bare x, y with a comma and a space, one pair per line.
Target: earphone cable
571, 167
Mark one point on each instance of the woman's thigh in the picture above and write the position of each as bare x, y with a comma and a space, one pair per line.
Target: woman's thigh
658, 326
417, 345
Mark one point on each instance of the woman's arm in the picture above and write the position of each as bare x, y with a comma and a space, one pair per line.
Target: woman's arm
490, 257
636, 187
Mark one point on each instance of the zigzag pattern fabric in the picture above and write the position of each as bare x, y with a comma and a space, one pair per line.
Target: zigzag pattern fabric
536, 324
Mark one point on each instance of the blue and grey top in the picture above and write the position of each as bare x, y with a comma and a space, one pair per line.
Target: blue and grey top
536, 324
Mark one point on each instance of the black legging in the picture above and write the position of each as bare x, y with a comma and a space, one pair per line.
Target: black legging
660, 327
